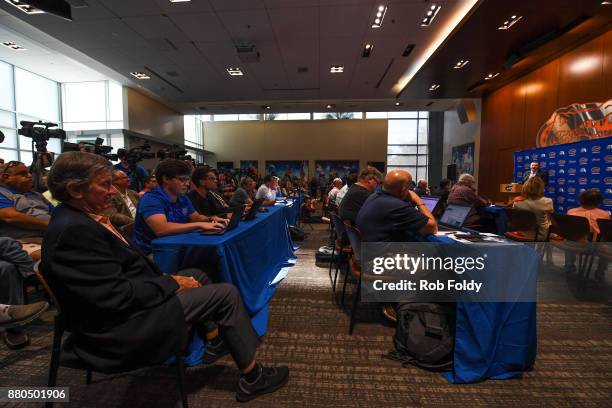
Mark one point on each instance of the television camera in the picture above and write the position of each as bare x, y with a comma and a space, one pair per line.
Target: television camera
96, 148
136, 154
175, 152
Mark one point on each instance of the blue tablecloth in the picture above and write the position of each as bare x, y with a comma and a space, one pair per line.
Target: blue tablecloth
253, 257
501, 218
492, 340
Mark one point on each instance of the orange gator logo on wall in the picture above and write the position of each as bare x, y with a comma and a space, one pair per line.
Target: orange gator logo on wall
575, 123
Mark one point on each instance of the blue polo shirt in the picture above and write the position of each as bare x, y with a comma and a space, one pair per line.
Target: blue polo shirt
140, 171
6, 202
157, 202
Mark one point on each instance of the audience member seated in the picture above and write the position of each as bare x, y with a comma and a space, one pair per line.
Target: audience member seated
589, 201
245, 195
20, 315
15, 267
352, 179
150, 183
122, 311
444, 190
396, 213
24, 214
122, 210
204, 197
267, 191
369, 179
464, 193
308, 208
421, 189
535, 171
137, 177
166, 210
532, 199
333, 194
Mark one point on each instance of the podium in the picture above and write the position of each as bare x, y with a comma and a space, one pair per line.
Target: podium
511, 188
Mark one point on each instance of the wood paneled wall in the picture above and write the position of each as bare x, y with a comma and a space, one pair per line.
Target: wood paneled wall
513, 114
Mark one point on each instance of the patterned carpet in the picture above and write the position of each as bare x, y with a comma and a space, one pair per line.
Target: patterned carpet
308, 332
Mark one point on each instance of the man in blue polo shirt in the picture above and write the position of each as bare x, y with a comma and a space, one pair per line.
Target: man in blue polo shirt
396, 213
166, 210
137, 177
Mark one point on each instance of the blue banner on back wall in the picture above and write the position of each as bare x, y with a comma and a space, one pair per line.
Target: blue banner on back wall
572, 168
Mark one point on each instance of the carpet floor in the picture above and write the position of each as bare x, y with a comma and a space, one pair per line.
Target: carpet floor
309, 333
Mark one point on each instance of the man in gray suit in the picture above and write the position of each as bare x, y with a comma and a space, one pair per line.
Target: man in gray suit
123, 204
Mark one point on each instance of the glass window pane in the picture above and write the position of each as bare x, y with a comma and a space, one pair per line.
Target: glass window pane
225, 118
421, 173
275, 116
376, 115
401, 150
84, 125
402, 132
84, 102
115, 102
422, 160
423, 131
8, 155
424, 115
205, 118
10, 138
54, 145
336, 115
114, 125
7, 95
403, 115
401, 160
250, 116
7, 118
36, 96
422, 149
298, 116
25, 156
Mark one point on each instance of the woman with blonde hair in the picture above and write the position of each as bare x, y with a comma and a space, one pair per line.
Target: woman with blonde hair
532, 199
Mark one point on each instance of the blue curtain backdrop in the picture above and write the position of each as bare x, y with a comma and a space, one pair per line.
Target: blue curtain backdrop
572, 168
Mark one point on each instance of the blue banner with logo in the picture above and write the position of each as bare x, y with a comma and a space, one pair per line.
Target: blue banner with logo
571, 168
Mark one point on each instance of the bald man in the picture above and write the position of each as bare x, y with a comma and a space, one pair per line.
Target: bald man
396, 214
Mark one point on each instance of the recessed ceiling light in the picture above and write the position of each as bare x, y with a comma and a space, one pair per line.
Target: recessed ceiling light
329, 106
179, 1
510, 22
139, 75
379, 16
606, 3
460, 64
268, 107
491, 76
13, 46
234, 71
367, 50
397, 104
434, 87
26, 8
336, 69
432, 12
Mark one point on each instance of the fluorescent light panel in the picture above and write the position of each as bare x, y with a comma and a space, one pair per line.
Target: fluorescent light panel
491, 75
234, 71
379, 16
336, 69
139, 75
434, 87
13, 46
460, 64
510, 22
367, 50
432, 12
179, 1
26, 8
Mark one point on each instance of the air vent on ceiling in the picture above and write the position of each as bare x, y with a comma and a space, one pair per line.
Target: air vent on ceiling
408, 50
302, 70
247, 53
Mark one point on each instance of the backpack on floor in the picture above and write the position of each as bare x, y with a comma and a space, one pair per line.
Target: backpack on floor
425, 335
297, 234
324, 254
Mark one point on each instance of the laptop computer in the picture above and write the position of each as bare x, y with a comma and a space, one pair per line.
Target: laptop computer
430, 202
454, 217
253, 211
233, 223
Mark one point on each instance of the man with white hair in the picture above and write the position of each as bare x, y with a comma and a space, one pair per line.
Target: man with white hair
422, 188
331, 197
464, 193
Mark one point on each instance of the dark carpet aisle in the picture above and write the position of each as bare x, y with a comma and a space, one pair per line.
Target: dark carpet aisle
329, 368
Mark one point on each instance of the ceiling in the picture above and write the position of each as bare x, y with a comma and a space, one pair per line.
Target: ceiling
186, 47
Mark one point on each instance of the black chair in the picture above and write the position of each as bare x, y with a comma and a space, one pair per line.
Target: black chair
522, 225
604, 246
60, 326
342, 251
577, 239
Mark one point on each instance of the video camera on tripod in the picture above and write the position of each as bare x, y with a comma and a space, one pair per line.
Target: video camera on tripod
96, 148
40, 133
175, 152
136, 154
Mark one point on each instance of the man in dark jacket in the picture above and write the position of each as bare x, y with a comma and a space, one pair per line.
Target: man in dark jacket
121, 311
534, 170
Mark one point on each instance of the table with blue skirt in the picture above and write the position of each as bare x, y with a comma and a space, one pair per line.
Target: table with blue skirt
254, 256
292, 209
496, 340
500, 217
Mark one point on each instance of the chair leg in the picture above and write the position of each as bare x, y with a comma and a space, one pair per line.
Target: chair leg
355, 302
331, 262
55, 356
338, 263
180, 378
88, 375
346, 273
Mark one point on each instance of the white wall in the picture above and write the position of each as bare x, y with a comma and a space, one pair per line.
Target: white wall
456, 134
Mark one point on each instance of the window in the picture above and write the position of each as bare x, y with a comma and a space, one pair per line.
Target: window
194, 131
7, 96
407, 142
92, 105
376, 115
36, 96
225, 118
250, 116
288, 116
337, 115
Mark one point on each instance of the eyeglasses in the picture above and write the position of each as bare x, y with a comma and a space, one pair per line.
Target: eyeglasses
7, 166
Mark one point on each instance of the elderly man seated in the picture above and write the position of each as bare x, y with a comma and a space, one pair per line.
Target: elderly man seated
24, 214
167, 210
422, 189
369, 179
464, 193
122, 210
267, 191
123, 312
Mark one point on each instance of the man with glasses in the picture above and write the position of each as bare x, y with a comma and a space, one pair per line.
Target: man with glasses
166, 210
24, 214
122, 210
369, 179
204, 197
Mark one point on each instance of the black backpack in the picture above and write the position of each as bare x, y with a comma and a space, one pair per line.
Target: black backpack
297, 234
425, 335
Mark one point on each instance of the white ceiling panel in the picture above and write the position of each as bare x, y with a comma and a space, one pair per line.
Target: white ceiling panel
186, 54
224, 5
249, 25
272, 4
151, 27
130, 8
269, 76
344, 21
295, 23
201, 27
194, 6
